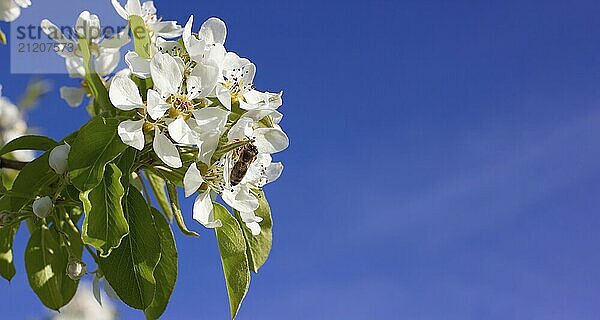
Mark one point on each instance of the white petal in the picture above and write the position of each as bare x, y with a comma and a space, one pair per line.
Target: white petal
73, 96
241, 129
75, 67
58, 158
132, 133
156, 105
192, 180
120, 10
148, 7
210, 119
165, 46
194, 47
251, 221
216, 53
203, 211
224, 96
23, 3
124, 94
213, 30
42, 207
270, 140
166, 74
166, 150
209, 126
9, 10
181, 132
138, 65
134, 7
202, 80
250, 217
88, 26
254, 228
264, 100
207, 146
53, 32
166, 29
273, 172
240, 198
107, 62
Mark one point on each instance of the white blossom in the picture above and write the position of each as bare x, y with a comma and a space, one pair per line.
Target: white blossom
42, 207
11, 9
76, 269
201, 129
106, 51
147, 11
58, 159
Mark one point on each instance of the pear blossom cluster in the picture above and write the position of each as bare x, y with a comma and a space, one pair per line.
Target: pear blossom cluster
202, 100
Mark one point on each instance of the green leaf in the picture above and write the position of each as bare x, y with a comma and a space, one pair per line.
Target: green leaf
102, 102
2, 37
166, 271
259, 246
143, 85
157, 184
125, 163
7, 236
46, 258
141, 38
104, 225
97, 144
33, 180
174, 198
232, 247
30, 142
130, 268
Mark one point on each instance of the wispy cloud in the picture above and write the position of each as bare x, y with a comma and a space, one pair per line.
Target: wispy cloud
541, 162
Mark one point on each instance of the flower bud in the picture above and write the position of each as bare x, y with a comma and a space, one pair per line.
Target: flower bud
5, 218
42, 207
58, 158
76, 269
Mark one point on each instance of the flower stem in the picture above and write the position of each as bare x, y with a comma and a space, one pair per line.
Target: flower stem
12, 164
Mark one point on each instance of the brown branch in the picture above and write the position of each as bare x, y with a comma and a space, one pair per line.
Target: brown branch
12, 164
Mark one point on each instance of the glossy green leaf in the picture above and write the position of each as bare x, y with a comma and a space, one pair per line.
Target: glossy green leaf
97, 144
232, 247
30, 142
104, 225
174, 199
102, 102
166, 271
46, 258
35, 179
130, 268
125, 163
158, 186
7, 237
141, 38
259, 246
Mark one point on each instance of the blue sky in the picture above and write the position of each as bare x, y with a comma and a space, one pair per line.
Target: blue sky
443, 161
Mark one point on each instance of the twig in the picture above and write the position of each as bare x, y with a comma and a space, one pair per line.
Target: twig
12, 164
